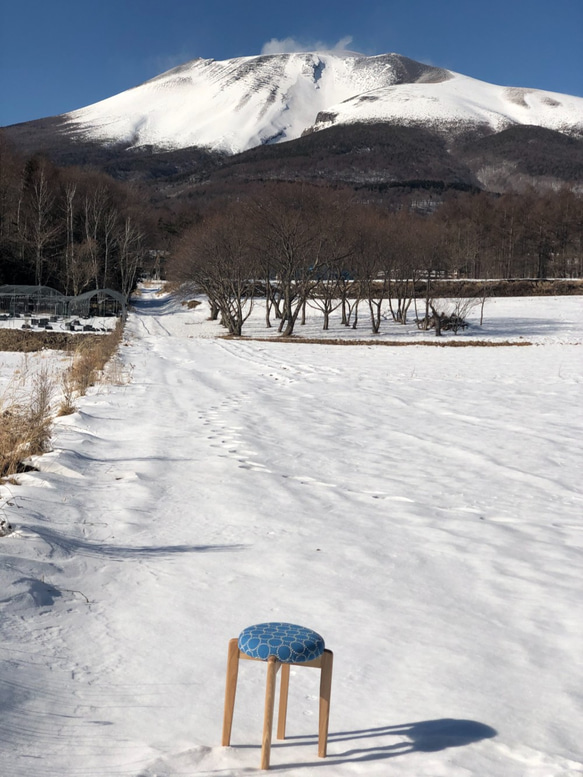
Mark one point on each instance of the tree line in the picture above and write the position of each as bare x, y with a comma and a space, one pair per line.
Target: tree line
69, 228
78, 229
301, 247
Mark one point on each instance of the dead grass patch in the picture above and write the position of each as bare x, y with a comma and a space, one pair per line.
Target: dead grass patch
25, 415
88, 366
27, 342
392, 343
27, 406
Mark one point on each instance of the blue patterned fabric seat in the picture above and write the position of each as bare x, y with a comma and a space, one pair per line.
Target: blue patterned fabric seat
289, 643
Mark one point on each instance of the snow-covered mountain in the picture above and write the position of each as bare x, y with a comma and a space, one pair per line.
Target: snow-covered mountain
237, 104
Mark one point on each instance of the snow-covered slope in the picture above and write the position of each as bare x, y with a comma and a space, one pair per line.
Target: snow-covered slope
460, 100
237, 104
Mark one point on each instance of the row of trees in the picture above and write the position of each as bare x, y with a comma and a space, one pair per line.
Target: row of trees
77, 229
529, 235
301, 247
68, 228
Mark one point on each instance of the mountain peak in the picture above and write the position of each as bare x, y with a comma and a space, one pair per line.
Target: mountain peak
237, 104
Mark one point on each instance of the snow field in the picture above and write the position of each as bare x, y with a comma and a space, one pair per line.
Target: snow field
420, 507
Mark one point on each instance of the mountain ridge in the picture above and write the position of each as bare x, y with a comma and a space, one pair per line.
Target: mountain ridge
232, 105
377, 121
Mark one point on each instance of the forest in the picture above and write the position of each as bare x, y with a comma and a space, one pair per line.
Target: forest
78, 229
69, 228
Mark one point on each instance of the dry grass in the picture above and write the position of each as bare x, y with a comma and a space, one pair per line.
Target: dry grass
88, 367
27, 342
25, 413
437, 343
27, 406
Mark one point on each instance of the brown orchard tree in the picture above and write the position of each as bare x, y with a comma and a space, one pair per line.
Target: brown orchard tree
336, 254
296, 237
216, 255
372, 266
402, 266
387, 267
430, 255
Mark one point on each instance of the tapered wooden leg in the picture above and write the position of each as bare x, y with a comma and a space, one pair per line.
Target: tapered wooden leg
272, 667
283, 691
230, 690
325, 691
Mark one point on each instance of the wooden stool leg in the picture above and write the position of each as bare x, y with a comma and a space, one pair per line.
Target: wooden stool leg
272, 667
283, 692
325, 691
230, 690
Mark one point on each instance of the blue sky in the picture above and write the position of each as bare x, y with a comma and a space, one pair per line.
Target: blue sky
58, 55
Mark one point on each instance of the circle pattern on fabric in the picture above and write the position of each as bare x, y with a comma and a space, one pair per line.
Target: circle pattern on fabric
289, 643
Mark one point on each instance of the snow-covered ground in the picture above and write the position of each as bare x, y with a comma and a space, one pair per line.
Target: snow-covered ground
420, 507
98, 324
515, 320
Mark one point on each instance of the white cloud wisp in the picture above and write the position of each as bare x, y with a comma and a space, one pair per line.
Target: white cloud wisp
293, 46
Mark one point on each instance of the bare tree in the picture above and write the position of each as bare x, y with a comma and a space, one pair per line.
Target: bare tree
129, 240
293, 244
81, 269
401, 263
329, 293
371, 279
216, 255
42, 225
69, 206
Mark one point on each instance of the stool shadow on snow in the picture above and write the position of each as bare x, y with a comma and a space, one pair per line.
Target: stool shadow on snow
426, 736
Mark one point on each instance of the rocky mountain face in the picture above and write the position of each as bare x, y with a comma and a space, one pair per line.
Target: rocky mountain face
321, 116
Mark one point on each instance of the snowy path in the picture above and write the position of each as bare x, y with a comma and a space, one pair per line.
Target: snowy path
419, 507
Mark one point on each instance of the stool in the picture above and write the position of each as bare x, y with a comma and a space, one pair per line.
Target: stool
280, 645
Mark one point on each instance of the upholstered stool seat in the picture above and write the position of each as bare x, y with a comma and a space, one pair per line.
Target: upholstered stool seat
290, 644
280, 645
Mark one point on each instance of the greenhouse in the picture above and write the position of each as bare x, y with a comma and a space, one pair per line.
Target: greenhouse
100, 302
43, 301
18, 301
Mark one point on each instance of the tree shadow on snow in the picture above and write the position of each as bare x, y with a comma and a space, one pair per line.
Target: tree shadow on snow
76, 546
426, 736
151, 304
525, 327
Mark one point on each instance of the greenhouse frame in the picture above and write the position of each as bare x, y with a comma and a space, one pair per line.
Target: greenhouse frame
25, 301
